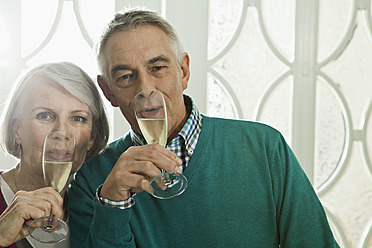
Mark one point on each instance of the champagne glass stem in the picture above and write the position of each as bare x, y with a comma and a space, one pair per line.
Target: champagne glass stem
49, 223
57, 160
151, 113
166, 180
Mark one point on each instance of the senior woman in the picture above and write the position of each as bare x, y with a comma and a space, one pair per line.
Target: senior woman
49, 97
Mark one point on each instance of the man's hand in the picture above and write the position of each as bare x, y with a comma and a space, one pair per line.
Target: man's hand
135, 168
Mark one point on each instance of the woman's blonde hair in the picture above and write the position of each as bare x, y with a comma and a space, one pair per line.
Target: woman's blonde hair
75, 81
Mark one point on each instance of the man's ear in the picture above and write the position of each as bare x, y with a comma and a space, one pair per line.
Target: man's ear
185, 68
107, 91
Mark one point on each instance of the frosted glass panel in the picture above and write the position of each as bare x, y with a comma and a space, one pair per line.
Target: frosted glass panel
36, 22
74, 47
277, 108
241, 64
368, 136
279, 19
352, 70
350, 198
349, 70
220, 102
330, 133
334, 18
223, 20
92, 22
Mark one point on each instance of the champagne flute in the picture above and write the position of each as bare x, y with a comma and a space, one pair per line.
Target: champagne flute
58, 156
151, 113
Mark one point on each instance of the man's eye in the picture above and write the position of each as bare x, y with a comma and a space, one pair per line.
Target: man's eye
158, 68
126, 76
125, 80
44, 116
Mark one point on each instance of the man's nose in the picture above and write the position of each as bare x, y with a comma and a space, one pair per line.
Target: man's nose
145, 82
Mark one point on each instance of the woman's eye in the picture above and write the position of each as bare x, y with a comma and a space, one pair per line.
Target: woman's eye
44, 116
79, 119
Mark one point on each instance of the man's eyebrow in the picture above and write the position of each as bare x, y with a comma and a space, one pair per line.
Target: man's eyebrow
120, 67
159, 58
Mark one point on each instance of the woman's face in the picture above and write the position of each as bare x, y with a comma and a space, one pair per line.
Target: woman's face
47, 107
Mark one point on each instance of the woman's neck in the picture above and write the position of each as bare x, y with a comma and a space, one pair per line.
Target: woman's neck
22, 177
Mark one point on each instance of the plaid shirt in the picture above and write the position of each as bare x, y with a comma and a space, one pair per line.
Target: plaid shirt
182, 145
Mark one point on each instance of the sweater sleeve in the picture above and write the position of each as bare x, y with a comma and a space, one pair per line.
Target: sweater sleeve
301, 220
93, 224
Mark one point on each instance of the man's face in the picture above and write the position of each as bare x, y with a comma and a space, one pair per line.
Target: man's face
143, 58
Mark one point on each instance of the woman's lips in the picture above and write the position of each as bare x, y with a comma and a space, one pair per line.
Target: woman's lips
59, 154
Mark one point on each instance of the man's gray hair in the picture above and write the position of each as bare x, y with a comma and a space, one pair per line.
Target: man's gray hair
134, 18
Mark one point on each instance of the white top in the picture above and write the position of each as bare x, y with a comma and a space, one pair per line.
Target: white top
8, 196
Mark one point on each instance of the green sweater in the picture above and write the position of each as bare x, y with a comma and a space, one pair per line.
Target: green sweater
246, 189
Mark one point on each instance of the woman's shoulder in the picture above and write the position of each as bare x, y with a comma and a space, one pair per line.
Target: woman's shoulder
8, 176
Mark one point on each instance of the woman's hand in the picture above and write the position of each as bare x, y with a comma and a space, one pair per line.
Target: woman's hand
24, 208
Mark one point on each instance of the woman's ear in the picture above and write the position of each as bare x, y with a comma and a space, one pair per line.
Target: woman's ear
107, 91
91, 141
16, 132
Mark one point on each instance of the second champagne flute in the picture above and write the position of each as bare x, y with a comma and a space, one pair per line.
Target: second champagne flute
58, 157
151, 113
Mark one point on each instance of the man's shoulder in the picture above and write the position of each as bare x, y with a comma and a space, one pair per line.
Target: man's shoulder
94, 171
106, 159
234, 124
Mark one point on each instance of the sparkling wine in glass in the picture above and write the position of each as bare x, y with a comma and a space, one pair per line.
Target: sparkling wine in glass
58, 156
151, 113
